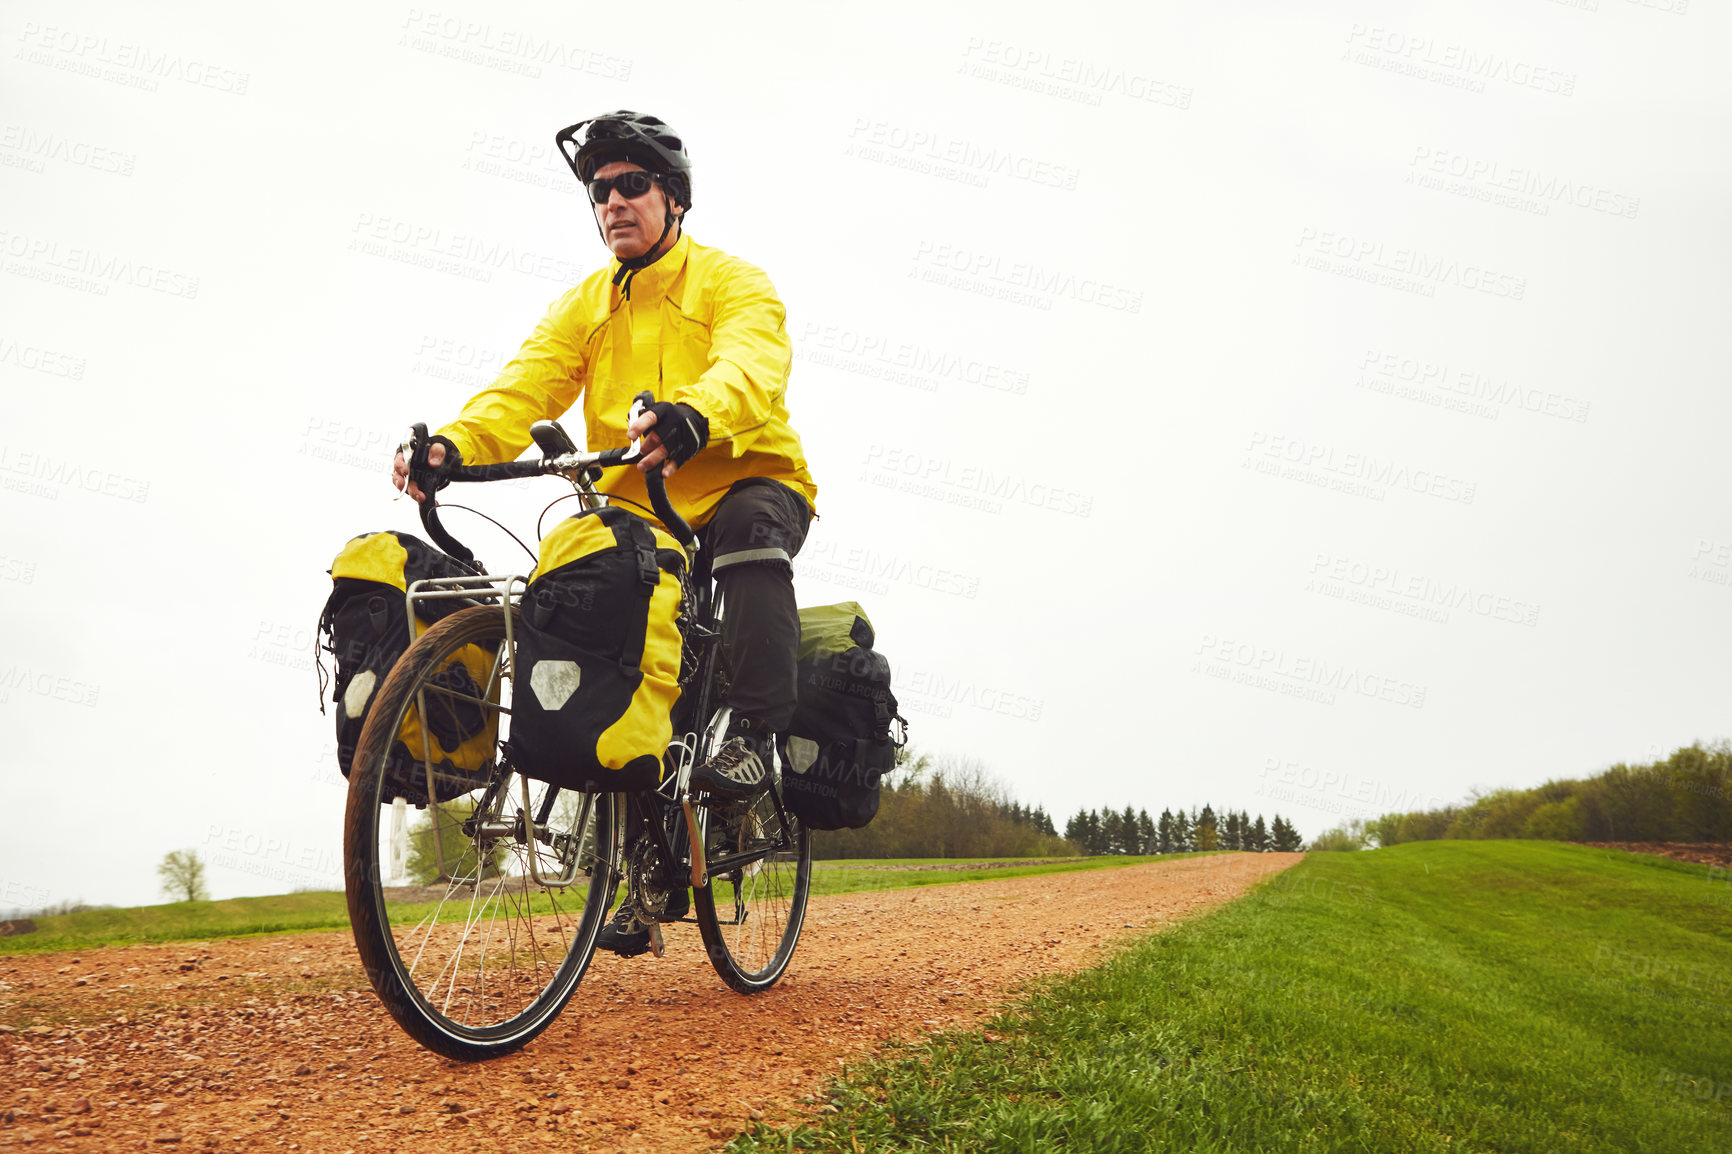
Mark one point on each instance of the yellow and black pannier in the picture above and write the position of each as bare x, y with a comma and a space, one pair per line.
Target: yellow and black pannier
365, 628
598, 655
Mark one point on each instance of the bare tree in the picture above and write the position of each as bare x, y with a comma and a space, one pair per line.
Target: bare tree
182, 875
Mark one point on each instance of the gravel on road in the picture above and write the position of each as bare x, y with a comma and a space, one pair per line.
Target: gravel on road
277, 1042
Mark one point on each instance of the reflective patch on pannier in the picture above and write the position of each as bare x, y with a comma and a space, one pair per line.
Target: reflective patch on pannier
802, 752
553, 682
840, 787
365, 628
840, 740
356, 696
601, 642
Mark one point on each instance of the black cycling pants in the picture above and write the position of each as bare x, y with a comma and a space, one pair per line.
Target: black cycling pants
752, 538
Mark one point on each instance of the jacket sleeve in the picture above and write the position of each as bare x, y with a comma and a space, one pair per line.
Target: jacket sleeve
749, 359
542, 382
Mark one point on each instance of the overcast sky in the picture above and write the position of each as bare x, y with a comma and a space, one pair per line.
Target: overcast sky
1317, 413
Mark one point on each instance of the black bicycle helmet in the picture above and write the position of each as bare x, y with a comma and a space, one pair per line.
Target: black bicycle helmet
625, 135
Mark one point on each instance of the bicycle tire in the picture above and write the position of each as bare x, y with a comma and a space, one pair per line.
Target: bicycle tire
425, 949
765, 901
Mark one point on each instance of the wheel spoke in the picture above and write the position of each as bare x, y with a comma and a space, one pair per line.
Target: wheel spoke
752, 945
484, 958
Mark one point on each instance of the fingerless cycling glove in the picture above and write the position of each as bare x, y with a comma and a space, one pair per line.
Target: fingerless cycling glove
682, 429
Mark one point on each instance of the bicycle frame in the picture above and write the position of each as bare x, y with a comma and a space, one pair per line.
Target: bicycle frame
701, 638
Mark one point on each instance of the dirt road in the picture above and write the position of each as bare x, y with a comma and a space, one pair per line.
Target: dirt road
1702, 853
278, 1042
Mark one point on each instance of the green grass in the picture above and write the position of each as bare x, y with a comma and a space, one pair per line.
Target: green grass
238, 917
183, 921
1439, 996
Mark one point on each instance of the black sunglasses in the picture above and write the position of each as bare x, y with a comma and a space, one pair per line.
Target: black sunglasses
632, 184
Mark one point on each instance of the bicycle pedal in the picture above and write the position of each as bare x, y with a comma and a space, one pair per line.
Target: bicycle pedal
657, 947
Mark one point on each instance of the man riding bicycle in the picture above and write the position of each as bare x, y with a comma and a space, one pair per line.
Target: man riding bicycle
704, 333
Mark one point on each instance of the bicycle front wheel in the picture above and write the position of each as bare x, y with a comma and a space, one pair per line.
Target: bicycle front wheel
751, 912
476, 913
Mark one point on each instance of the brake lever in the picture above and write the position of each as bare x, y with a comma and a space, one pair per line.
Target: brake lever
638, 404
420, 472
416, 439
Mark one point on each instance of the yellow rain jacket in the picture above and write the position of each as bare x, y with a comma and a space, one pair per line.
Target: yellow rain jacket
701, 328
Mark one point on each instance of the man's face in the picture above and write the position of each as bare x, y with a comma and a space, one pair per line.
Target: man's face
631, 227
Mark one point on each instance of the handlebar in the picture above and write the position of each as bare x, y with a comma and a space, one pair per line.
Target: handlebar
421, 473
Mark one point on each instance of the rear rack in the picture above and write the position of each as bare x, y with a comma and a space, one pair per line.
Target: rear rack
505, 591
485, 589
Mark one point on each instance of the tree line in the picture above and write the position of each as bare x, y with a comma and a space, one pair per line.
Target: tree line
954, 807
1134, 832
945, 807
1685, 798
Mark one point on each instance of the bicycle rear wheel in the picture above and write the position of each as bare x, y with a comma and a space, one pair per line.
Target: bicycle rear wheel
751, 912
474, 933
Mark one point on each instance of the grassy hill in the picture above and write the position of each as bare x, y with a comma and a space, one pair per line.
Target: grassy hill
182, 921
1438, 996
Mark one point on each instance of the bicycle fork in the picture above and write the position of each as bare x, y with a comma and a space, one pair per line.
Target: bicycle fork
684, 755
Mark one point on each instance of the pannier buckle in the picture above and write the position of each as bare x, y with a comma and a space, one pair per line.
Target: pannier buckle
648, 572
882, 716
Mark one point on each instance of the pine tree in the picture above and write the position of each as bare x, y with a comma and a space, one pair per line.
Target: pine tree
1207, 836
1084, 829
1112, 831
1259, 839
1164, 832
1284, 838
1088, 831
1234, 838
1145, 832
1182, 833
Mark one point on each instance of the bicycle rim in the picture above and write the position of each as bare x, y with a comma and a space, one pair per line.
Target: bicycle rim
474, 934
750, 916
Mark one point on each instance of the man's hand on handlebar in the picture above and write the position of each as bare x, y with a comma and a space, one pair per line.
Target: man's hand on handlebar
400, 471
687, 433
654, 453
436, 455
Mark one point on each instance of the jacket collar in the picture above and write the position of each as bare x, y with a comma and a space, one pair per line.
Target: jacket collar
653, 281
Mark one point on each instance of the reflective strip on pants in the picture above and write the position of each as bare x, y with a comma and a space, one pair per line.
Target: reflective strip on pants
743, 556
